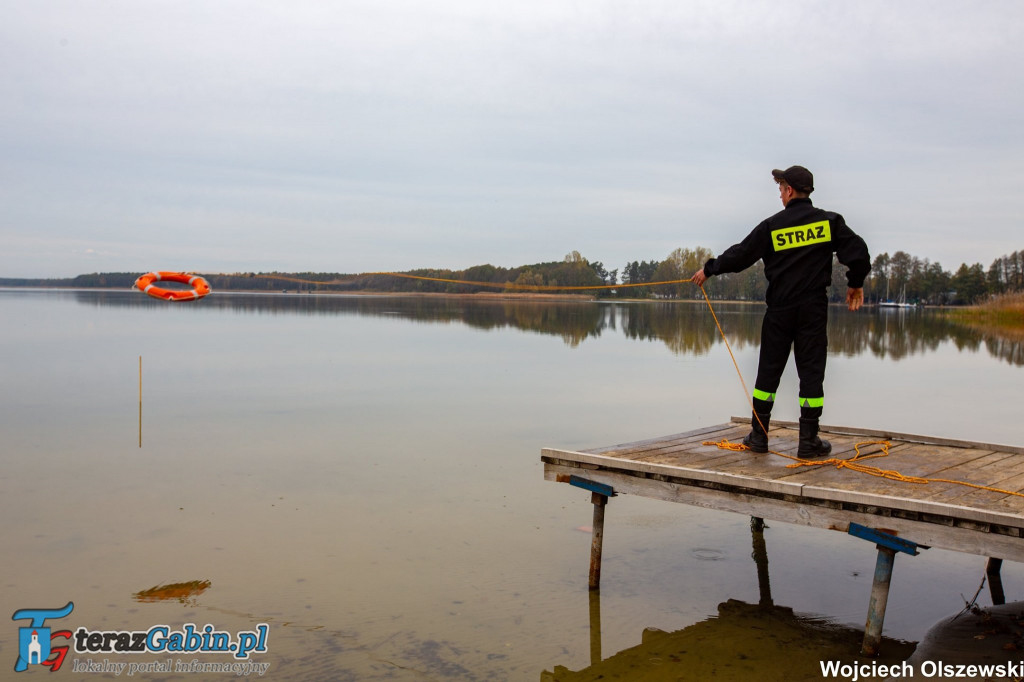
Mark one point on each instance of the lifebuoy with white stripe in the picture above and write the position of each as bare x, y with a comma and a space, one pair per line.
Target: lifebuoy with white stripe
200, 287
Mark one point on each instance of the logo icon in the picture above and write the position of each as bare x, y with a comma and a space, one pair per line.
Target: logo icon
34, 641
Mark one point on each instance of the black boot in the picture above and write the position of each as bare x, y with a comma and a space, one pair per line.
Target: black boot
757, 439
810, 445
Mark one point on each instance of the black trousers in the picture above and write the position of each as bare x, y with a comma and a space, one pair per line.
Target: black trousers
803, 328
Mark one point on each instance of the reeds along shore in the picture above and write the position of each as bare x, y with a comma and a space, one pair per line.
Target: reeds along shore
1011, 302
999, 313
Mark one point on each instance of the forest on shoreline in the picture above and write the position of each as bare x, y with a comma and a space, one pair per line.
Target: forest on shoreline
901, 277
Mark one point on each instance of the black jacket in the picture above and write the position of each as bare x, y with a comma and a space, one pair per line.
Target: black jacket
796, 245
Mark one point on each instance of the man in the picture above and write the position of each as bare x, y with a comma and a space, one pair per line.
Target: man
796, 245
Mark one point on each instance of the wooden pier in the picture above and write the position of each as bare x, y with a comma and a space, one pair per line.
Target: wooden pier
898, 515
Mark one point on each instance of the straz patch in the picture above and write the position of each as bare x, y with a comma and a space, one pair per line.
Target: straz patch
801, 235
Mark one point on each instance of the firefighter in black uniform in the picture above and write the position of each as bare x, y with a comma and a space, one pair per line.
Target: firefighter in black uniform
796, 245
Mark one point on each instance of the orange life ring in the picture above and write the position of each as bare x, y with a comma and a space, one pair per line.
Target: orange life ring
200, 287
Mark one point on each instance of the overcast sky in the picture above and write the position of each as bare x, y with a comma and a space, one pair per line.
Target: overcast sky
353, 136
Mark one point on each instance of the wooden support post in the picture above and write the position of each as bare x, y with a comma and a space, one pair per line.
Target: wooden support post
760, 555
995, 580
888, 544
599, 502
595, 627
879, 599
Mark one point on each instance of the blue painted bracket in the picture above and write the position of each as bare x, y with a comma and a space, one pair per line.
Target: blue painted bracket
884, 539
592, 486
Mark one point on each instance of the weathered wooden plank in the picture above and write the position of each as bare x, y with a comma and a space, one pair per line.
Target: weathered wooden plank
769, 466
866, 484
915, 505
985, 471
710, 461
698, 456
928, 461
988, 466
1013, 504
1006, 476
857, 481
995, 499
1000, 500
629, 466
785, 442
677, 446
689, 435
696, 441
807, 514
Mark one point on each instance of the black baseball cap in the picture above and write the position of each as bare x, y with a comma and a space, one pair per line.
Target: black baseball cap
797, 177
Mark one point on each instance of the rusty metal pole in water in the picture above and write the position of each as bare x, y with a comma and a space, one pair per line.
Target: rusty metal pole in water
599, 502
879, 599
139, 400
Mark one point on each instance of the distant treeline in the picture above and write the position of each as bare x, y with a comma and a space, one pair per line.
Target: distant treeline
903, 275
899, 276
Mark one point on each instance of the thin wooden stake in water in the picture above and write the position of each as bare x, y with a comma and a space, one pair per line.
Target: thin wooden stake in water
140, 401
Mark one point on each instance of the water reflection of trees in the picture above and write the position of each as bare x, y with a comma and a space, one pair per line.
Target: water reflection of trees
897, 334
688, 327
684, 327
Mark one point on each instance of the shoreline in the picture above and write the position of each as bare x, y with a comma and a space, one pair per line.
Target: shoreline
973, 315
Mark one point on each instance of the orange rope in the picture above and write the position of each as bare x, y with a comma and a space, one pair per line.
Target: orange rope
746, 391
494, 285
532, 287
854, 464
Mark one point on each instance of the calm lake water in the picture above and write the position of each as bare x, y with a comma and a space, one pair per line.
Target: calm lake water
363, 474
